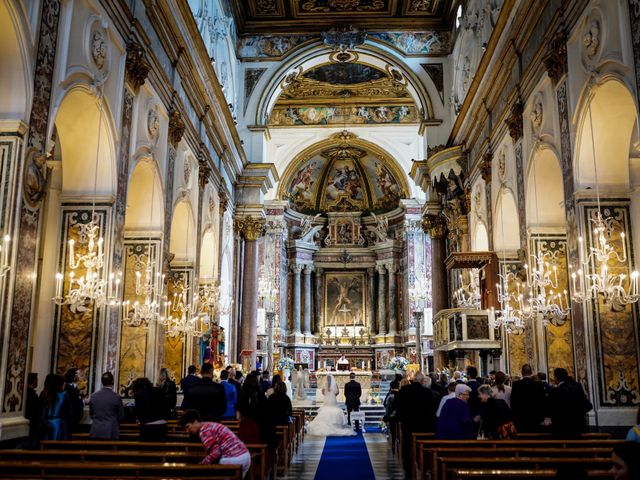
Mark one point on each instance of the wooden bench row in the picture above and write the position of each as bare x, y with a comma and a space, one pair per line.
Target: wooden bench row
431, 455
41, 469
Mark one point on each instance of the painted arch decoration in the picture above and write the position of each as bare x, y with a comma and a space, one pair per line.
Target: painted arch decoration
343, 174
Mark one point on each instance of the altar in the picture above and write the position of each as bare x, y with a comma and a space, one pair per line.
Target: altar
363, 377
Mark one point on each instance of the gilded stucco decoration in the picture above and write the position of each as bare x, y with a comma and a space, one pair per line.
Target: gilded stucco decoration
338, 6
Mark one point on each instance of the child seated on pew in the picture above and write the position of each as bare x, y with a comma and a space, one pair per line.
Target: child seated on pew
221, 444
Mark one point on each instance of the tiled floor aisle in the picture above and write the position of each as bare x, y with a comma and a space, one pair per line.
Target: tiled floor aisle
385, 465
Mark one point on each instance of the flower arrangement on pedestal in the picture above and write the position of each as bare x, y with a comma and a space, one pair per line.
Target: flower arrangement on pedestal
398, 364
285, 363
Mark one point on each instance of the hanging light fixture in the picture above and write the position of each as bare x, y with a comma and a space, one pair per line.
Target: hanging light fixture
468, 295
88, 280
150, 288
593, 279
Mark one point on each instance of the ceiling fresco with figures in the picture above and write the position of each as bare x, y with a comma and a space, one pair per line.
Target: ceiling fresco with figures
344, 177
303, 16
346, 93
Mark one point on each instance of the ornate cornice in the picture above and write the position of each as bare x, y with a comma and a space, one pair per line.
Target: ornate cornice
434, 224
176, 127
136, 66
514, 121
251, 228
555, 61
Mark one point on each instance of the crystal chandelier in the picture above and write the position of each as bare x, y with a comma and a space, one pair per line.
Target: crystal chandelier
593, 278
509, 317
182, 314
468, 296
211, 301
542, 299
88, 281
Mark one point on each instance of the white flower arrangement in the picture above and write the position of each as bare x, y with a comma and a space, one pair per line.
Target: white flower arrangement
398, 364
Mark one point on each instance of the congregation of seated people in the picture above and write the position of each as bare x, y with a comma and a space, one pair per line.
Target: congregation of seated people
461, 406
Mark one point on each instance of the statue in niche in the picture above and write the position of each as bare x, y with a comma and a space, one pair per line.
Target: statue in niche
344, 233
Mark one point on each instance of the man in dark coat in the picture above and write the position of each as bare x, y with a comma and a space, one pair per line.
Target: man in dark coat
106, 411
473, 384
352, 393
567, 406
527, 402
75, 399
416, 410
206, 396
188, 381
32, 411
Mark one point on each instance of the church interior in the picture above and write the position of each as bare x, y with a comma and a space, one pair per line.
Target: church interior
330, 191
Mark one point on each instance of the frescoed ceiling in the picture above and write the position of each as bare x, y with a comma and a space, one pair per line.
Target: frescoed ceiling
343, 177
312, 16
344, 93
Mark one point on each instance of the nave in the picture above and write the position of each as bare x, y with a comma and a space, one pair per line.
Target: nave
337, 458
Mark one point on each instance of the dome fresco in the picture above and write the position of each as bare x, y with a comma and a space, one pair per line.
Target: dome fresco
343, 178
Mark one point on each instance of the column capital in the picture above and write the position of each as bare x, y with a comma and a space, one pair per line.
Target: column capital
136, 66
514, 121
381, 269
392, 268
296, 268
434, 224
176, 126
308, 268
555, 61
251, 228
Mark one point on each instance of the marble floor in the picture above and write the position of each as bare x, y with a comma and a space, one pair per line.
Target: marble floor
385, 465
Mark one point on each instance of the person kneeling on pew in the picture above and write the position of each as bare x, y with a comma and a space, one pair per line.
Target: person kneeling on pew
221, 444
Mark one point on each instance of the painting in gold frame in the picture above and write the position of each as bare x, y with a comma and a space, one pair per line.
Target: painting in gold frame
345, 299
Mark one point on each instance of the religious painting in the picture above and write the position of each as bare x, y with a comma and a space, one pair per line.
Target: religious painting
345, 299
305, 355
301, 188
344, 183
431, 42
345, 73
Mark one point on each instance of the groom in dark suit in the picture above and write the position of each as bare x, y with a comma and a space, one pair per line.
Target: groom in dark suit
352, 393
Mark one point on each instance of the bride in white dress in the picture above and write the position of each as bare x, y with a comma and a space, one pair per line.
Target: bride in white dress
330, 420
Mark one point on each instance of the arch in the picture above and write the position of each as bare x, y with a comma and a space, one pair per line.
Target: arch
84, 129
480, 238
208, 254
311, 58
16, 76
545, 192
145, 198
183, 239
335, 140
609, 111
506, 227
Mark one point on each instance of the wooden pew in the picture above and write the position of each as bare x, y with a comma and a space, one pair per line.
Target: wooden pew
449, 465
521, 474
120, 470
427, 449
437, 454
260, 466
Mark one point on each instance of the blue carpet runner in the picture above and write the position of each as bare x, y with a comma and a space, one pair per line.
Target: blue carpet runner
345, 458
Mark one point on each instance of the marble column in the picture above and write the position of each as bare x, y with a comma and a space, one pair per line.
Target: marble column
295, 298
392, 300
434, 225
251, 229
382, 287
306, 327
318, 301
373, 329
